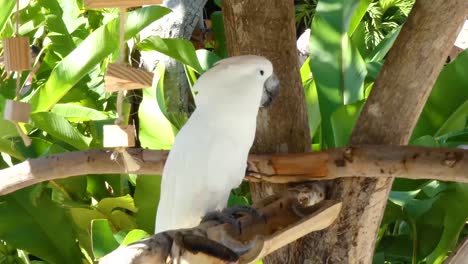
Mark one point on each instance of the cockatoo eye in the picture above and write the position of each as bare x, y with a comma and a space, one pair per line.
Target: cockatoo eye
262, 72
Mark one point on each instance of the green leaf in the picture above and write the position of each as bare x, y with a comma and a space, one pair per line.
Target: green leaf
397, 249
310, 90
313, 110
122, 221
8, 147
80, 61
156, 131
448, 95
147, 194
218, 33
454, 219
134, 236
393, 212
343, 121
39, 227
7, 133
82, 218
336, 65
78, 113
218, 2
358, 15
107, 205
379, 52
60, 128
5, 11
456, 121
103, 238
373, 70
412, 207
180, 49
237, 200
61, 40
206, 59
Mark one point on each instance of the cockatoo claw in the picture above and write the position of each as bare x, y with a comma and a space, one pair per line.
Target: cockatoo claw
241, 210
224, 218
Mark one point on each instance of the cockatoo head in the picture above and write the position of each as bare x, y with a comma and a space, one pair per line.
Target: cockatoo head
247, 81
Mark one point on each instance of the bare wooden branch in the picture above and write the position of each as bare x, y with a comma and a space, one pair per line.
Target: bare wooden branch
283, 220
77, 163
365, 161
460, 255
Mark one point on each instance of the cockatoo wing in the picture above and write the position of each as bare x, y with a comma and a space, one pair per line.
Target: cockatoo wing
198, 179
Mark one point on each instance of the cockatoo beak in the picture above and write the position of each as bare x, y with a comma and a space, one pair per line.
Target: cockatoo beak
271, 89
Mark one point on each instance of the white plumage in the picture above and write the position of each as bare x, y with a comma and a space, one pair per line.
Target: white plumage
209, 156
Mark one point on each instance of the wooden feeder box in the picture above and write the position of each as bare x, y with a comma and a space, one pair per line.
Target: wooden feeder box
17, 54
122, 77
119, 3
119, 136
17, 111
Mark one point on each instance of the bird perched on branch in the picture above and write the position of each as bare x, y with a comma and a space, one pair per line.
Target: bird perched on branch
209, 156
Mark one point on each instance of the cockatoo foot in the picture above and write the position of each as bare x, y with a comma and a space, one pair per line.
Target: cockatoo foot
224, 218
242, 210
231, 215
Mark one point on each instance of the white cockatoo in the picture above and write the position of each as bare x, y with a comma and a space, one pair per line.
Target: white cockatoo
209, 155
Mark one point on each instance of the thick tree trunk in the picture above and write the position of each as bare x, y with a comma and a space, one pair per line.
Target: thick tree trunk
185, 16
388, 117
267, 28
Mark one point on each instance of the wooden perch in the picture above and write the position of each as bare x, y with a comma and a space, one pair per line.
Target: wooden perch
460, 255
365, 161
284, 220
124, 77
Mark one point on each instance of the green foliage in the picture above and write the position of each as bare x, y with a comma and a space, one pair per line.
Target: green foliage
383, 17
445, 110
28, 214
423, 221
304, 12
338, 68
82, 218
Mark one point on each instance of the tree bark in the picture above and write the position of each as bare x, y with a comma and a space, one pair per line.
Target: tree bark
389, 117
267, 28
185, 16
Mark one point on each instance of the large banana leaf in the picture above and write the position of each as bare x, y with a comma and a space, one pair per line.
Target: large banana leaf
61, 129
5, 11
179, 49
337, 67
92, 51
38, 226
449, 94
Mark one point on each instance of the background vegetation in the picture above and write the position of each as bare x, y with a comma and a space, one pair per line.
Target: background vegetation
83, 218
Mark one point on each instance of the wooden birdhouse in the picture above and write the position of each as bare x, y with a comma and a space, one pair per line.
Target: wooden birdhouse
16, 111
122, 77
116, 136
17, 54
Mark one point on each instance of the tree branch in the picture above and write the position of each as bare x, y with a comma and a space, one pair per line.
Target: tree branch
460, 255
364, 161
284, 219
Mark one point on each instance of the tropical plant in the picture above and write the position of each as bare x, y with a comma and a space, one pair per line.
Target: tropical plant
82, 218
383, 17
305, 12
